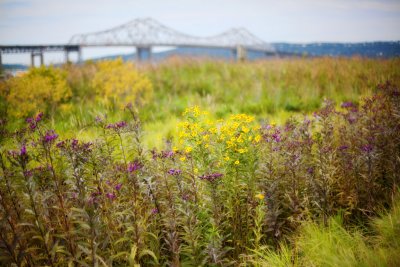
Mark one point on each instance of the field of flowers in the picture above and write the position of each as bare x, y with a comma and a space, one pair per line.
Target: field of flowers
201, 163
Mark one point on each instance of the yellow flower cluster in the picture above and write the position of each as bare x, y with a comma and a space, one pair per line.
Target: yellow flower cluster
117, 82
234, 137
40, 89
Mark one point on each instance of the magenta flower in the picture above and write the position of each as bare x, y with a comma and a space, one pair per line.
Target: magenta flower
154, 211
50, 136
174, 172
39, 117
22, 152
118, 187
367, 148
111, 196
121, 124
134, 166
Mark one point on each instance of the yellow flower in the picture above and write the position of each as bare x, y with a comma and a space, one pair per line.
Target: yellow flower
227, 158
237, 162
257, 138
196, 170
260, 196
206, 146
174, 149
245, 129
182, 158
242, 150
188, 149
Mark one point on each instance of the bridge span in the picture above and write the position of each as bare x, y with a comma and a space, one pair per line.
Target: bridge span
144, 34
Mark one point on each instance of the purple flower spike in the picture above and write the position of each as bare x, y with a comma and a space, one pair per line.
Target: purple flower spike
344, 147
118, 187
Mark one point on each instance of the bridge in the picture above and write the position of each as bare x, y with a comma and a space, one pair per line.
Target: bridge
144, 34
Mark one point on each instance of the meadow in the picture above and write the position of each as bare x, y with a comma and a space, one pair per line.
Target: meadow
286, 162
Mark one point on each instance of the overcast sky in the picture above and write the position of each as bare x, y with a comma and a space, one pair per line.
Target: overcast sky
55, 21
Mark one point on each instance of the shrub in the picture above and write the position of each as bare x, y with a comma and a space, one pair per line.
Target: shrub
40, 89
117, 83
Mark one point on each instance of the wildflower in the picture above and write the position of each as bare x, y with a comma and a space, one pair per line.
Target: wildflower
237, 162
242, 150
257, 138
343, 147
182, 158
227, 158
118, 187
50, 136
154, 211
110, 196
196, 170
367, 148
188, 149
347, 105
174, 172
134, 166
260, 196
22, 152
39, 117
211, 177
121, 124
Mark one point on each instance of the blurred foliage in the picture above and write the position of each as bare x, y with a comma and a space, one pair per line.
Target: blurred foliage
39, 89
118, 83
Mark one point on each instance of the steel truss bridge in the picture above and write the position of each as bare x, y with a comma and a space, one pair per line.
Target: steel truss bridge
144, 34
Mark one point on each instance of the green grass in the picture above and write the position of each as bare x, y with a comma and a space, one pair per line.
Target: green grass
333, 245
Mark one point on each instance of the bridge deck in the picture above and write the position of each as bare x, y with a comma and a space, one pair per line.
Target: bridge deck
8, 49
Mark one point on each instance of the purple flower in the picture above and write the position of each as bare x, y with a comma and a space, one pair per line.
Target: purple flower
343, 147
98, 119
348, 105
111, 196
167, 154
276, 137
60, 144
39, 117
211, 177
22, 152
136, 165
121, 124
367, 148
174, 172
50, 136
154, 211
118, 187
74, 143
29, 120
110, 126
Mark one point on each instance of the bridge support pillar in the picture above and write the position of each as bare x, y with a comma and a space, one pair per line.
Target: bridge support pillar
80, 55
41, 59
240, 53
143, 53
1, 61
32, 60
66, 56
